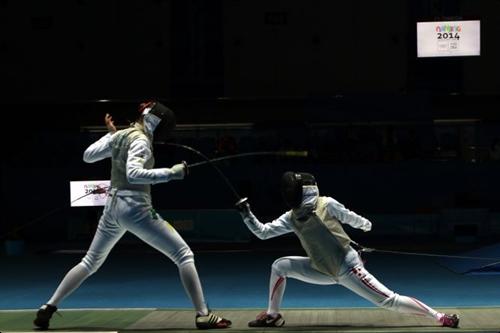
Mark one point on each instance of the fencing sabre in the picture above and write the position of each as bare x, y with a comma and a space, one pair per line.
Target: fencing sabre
207, 161
286, 153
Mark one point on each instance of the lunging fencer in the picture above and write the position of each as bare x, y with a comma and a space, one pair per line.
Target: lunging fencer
129, 208
316, 220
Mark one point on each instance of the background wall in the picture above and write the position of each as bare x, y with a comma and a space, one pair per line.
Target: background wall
83, 49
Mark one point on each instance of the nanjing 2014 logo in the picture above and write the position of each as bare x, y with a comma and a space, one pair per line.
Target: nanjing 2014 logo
448, 31
99, 190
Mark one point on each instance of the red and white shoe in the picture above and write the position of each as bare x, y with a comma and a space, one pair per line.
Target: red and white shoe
450, 320
266, 320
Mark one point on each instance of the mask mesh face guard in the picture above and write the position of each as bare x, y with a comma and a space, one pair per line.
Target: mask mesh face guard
167, 116
291, 187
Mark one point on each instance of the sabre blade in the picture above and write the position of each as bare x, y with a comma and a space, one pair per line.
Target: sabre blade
290, 153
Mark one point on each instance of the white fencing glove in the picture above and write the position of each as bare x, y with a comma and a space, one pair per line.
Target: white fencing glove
367, 226
179, 171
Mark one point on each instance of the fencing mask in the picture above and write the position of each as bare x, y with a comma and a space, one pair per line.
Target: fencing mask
163, 119
291, 187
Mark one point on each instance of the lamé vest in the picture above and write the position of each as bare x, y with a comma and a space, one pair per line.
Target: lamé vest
323, 238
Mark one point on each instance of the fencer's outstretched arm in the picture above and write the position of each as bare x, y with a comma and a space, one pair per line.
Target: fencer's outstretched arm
99, 150
138, 153
280, 226
346, 216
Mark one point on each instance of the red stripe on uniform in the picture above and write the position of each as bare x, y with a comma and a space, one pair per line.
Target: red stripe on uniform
419, 304
366, 283
373, 288
276, 285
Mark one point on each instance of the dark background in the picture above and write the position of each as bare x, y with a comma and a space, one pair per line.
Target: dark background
391, 136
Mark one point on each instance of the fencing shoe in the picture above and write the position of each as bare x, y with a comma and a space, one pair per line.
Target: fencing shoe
267, 320
43, 316
450, 320
211, 321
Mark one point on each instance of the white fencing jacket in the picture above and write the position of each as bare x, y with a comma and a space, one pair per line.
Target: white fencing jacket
132, 158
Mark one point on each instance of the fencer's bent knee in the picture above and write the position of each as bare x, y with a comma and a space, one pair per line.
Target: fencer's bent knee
280, 266
92, 262
183, 256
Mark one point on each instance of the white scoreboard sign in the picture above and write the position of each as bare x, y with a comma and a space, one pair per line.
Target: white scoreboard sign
81, 192
448, 39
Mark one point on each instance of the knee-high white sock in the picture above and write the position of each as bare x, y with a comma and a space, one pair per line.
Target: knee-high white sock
71, 281
277, 286
411, 305
192, 285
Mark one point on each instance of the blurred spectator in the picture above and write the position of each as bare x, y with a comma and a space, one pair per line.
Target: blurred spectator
226, 145
448, 142
391, 148
410, 145
495, 150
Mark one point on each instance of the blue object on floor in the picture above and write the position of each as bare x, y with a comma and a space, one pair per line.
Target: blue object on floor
476, 266
490, 269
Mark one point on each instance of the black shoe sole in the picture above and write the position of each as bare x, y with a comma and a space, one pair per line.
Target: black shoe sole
40, 326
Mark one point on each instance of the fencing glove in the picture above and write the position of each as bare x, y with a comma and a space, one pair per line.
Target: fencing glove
367, 226
179, 171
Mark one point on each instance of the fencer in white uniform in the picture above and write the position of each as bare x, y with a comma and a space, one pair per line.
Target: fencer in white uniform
128, 208
317, 221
